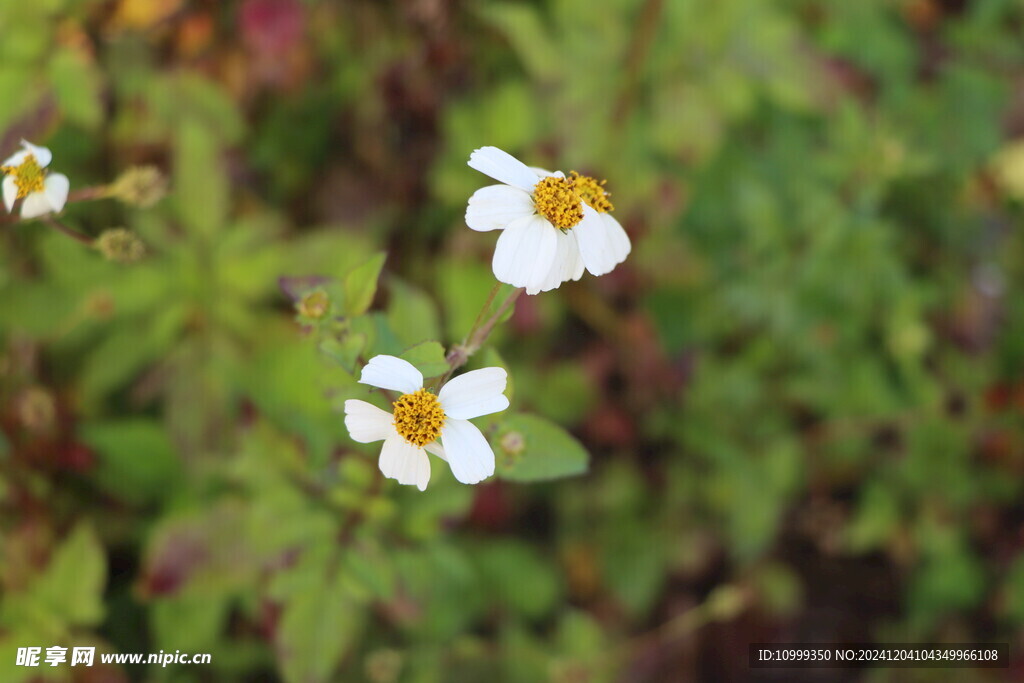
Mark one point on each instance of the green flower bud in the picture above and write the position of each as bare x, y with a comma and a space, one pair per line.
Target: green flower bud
141, 186
120, 245
314, 304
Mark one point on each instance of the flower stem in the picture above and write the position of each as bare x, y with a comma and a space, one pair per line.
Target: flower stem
485, 309
82, 195
89, 193
461, 353
73, 234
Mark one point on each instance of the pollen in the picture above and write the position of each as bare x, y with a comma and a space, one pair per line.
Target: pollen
557, 200
419, 417
592, 192
28, 176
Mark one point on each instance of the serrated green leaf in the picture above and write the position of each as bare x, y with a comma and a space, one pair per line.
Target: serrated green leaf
412, 314
361, 285
344, 351
428, 357
531, 448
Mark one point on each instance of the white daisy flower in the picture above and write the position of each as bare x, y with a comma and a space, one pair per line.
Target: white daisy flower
25, 178
554, 226
420, 418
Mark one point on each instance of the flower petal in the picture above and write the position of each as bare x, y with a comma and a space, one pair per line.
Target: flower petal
10, 190
475, 393
389, 372
404, 462
495, 206
469, 454
617, 238
437, 449
366, 422
525, 252
574, 264
503, 167
56, 188
566, 263
16, 158
43, 155
601, 246
35, 205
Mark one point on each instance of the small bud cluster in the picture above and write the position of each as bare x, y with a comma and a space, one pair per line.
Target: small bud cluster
120, 245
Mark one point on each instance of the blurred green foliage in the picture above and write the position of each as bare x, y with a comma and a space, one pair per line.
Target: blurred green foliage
803, 393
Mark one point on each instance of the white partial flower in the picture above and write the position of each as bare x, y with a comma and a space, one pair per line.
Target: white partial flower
419, 419
25, 178
554, 226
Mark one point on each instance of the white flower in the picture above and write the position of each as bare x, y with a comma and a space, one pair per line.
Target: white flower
25, 178
420, 418
554, 226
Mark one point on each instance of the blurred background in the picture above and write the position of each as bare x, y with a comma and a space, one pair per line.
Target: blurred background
803, 393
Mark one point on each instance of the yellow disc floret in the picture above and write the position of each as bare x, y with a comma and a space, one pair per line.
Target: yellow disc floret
28, 176
592, 192
557, 200
419, 417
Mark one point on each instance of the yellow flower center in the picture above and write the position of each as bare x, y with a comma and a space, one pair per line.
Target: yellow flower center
28, 176
592, 192
557, 200
419, 417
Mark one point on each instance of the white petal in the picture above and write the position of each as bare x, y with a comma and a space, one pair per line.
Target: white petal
544, 173
469, 454
567, 258
404, 462
574, 264
525, 252
57, 185
474, 394
503, 167
35, 205
600, 247
389, 372
16, 158
10, 190
437, 449
42, 154
367, 423
495, 206
617, 238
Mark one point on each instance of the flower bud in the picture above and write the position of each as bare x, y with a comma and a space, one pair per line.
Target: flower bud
120, 245
314, 304
141, 186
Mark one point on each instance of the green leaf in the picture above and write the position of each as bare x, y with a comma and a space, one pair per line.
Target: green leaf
137, 462
200, 180
77, 85
361, 285
72, 585
428, 357
188, 622
517, 576
523, 27
344, 351
531, 448
411, 313
317, 627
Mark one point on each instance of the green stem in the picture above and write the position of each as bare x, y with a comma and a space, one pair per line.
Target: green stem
81, 195
73, 234
461, 353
